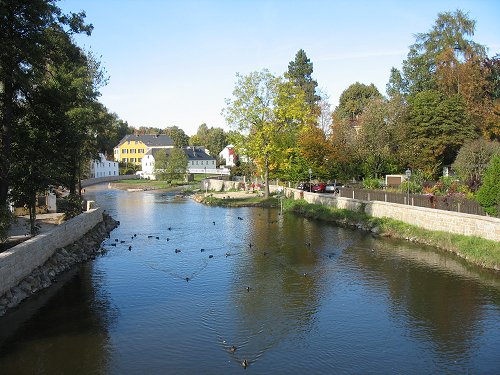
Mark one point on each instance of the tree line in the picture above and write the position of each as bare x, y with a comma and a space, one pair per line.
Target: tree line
441, 109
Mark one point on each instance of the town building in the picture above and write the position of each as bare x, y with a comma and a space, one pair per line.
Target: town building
132, 148
103, 167
229, 155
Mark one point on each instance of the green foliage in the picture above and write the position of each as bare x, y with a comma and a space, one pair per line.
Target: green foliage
213, 139
372, 183
5, 220
438, 128
300, 74
71, 206
178, 136
270, 114
472, 160
489, 193
170, 166
354, 99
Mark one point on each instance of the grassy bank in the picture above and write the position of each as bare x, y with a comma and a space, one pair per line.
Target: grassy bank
154, 185
485, 253
223, 200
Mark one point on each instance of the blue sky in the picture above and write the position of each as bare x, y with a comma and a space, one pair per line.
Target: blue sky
174, 62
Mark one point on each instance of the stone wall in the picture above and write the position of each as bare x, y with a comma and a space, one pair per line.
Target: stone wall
221, 185
19, 261
99, 180
427, 218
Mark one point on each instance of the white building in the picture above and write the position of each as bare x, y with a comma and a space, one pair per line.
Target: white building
229, 156
103, 167
198, 161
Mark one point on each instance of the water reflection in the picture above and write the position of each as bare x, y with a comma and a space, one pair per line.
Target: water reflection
64, 328
305, 297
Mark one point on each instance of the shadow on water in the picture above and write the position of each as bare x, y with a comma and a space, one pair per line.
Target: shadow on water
63, 328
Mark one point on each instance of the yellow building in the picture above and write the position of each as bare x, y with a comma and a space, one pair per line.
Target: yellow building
133, 147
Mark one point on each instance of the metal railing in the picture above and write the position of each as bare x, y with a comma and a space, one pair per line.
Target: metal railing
462, 205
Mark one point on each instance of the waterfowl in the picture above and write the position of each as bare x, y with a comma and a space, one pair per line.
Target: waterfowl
157, 238
245, 363
214, 222
177, 251
228, 254
210, 256
130, 248
202, 250
187, 279
116, 239
122, 241
135, 234
250, 245
240, 218
232, 349
113, 244
168, 239
169, 228
248, 288
150, 236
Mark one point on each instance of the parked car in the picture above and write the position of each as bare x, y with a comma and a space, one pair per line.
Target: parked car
319, 188
306, 186
333, 188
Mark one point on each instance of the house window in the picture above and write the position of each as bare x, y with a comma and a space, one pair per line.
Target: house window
132, 160
132, 150
124, 151
125, 160
140, 151
109, 164
139, 160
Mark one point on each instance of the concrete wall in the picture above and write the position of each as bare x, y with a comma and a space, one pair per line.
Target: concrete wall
221, 185
93, 181
427, 218
19, 261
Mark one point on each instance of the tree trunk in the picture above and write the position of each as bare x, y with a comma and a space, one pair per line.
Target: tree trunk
32, 209
7, 123
266, 177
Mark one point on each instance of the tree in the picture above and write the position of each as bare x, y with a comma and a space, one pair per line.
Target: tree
25, 49
213, 139
489, 193
375, 140
300, 74
325, 113
270, 113
472, 160
172, 166
448, 34
438, 128
354, 99
178, 136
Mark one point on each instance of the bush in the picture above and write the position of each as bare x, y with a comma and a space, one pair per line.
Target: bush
488, 194
5, 219
372, 183
71, 206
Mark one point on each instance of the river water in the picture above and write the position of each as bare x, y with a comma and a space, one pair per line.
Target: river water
294, 296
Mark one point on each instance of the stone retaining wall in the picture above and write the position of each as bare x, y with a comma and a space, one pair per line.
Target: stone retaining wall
99, 180
221, 185
427, 218
19, 261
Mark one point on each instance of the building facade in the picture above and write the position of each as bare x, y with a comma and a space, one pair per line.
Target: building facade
103, 167
133, 147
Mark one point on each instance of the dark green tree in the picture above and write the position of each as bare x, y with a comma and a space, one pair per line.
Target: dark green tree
25, 50
438, 127
180, 138
489, 193
172, 166
354, 99
300, 74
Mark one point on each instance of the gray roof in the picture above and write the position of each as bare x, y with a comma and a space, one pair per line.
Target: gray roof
150, 140
193, 153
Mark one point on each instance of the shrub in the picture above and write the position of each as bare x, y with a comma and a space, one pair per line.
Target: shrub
488, 194
372, 183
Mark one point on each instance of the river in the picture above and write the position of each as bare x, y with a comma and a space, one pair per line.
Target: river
292, 295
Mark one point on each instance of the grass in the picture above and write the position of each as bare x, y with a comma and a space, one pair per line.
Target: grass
252, 201
485, 253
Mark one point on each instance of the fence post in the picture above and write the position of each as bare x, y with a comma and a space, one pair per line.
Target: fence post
352, 193
385, 197
458, 206
412, 201
404, 200
368, 196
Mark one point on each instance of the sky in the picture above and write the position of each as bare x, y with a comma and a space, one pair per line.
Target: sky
174, 62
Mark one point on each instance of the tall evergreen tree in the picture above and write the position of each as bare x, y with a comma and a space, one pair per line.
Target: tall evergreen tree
300, 74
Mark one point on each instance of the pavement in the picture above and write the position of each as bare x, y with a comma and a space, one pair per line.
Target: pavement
20, 227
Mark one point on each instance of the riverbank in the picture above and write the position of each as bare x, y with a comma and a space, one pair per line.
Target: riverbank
478, 251
236, 199
64, 258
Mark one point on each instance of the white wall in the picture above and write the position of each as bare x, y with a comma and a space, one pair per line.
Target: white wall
103, 168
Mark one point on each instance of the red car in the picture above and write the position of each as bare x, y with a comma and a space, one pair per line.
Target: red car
319, 188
